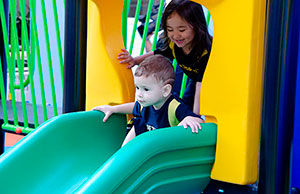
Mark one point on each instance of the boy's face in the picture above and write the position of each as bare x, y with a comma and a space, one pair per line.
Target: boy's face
149, 91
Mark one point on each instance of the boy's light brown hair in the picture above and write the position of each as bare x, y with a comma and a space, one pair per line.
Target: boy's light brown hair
157, 66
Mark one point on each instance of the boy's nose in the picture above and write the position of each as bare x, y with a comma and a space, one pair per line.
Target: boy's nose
139, 94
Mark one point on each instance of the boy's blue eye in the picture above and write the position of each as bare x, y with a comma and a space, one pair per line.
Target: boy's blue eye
146, 89
136, 87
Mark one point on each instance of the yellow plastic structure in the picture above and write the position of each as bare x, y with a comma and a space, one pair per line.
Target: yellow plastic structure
232, 85
231, 90
108, 82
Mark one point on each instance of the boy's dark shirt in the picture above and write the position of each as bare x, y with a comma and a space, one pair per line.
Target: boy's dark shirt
150, 119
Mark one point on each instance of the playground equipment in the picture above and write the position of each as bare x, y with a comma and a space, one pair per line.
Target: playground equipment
108, 44
239, 118
85, 157
237, 158
231, 97
22, 46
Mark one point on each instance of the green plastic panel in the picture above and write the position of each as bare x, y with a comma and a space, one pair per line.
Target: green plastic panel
77, 153
61, 154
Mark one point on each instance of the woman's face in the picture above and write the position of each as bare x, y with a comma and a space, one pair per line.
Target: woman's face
180, 32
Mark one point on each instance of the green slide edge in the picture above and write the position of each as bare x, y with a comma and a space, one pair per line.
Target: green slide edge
78, 153
61, 153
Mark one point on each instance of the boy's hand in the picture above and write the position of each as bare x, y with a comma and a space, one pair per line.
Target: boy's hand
192, 122
125, 57
106, 109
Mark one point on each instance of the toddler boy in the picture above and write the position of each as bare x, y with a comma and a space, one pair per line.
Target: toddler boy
155, 106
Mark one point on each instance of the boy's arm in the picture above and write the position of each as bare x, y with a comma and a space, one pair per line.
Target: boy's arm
108, 110
188, 118
131, 134
192, 122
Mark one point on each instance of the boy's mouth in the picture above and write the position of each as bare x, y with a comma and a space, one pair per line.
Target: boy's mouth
141, 101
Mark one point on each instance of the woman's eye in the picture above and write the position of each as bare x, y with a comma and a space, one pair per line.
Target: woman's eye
181, 30
169, 30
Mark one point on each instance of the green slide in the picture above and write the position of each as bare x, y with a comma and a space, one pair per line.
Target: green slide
77, 153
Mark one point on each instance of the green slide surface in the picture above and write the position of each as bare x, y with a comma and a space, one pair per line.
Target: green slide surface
77, 153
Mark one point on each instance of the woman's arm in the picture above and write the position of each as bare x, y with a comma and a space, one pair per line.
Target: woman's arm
108, 110
125, 57
196, 108
141, 58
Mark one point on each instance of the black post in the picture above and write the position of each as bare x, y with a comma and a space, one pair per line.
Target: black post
75, 55
4, 70
275, 146
287, 100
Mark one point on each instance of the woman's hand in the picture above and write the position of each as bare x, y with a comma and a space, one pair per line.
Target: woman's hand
125, 57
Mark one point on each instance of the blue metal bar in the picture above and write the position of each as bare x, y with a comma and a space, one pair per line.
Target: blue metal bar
287, 99
295, 169
75, 56
276, 67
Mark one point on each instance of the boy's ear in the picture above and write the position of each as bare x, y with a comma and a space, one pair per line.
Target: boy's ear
167, 90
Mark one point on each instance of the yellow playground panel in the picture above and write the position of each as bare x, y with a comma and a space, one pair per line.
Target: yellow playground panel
108, 82
232, 85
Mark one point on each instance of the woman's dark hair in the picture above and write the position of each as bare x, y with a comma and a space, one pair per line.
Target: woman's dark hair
193, 14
